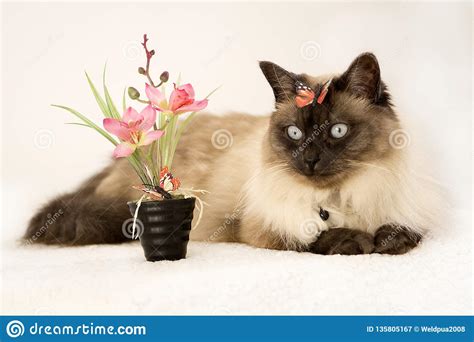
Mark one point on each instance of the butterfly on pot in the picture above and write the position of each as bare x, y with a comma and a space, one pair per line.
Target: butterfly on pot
167, 183
305, 95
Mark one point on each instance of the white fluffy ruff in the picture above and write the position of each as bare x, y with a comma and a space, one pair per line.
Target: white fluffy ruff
384, 192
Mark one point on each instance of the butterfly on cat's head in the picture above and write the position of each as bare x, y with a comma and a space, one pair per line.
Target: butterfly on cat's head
305, 95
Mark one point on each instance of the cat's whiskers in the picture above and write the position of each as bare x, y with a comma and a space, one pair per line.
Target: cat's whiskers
425, 177
356, 162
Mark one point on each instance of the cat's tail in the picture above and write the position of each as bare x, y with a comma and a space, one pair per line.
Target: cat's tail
81, 218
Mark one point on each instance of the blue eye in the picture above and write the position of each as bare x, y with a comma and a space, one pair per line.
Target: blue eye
294, 132
339, 130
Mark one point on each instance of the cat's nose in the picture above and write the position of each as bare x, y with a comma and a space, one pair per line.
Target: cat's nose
310, 163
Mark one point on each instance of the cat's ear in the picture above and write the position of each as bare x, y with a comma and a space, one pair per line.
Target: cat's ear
281, 80
362, 79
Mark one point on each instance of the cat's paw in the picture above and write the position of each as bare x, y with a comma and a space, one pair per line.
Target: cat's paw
343, 241
395, 239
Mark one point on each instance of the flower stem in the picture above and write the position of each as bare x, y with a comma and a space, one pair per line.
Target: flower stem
149, 55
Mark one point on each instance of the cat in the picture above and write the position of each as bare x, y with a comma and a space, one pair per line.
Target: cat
322, 178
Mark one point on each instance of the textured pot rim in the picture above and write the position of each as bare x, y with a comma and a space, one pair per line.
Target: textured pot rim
163, 201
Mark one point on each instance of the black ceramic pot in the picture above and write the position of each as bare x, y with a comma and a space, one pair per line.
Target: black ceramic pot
166, 226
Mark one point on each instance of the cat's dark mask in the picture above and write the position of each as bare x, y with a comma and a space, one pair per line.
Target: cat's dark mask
328, 141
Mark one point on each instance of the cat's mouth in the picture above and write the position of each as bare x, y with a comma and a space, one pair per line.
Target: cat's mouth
322, 174
315, 168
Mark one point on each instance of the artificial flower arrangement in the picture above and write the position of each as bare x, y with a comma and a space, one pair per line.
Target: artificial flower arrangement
148, 139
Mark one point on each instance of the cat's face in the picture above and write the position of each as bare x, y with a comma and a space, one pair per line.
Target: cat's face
325, 143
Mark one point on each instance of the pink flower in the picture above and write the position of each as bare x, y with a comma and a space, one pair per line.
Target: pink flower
156, 98
133, 130
181, 100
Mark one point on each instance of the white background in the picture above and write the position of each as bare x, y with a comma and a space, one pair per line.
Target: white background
424, 51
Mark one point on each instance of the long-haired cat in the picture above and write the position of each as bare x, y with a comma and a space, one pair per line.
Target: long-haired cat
323, 178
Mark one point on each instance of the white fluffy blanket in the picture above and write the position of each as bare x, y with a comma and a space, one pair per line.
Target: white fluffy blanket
236, 279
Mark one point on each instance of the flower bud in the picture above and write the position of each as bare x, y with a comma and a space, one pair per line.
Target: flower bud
141, 71
133, 93
165, 75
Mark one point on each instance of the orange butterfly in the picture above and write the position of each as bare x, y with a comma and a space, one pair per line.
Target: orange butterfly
167, 181
305, 95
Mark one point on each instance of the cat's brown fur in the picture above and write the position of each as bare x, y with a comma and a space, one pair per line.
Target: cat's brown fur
257, 194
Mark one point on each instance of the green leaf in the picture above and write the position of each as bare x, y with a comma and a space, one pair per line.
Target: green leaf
113, 110
89, 123
124, 100
78, 124
212, 92
178, 81
110, 103
100, 101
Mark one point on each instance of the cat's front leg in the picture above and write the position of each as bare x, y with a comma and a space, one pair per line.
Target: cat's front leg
395, 239
343, 241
